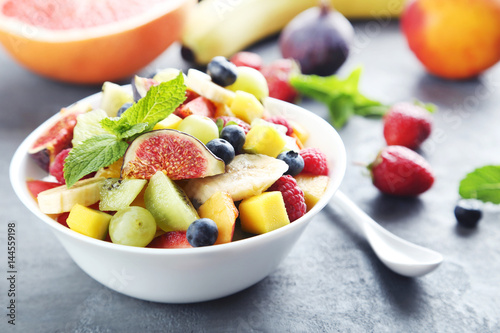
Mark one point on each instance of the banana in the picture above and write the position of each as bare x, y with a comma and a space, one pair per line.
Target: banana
224, 27
61, 199
202, 84
246, 176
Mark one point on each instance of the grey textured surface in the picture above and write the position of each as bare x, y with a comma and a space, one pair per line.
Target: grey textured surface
331, 281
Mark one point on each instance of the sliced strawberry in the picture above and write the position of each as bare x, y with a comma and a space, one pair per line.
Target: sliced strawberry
37, 186
248, 59
170, 240
200, 106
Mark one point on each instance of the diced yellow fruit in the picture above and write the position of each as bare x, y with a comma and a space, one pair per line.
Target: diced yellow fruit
301, 133
112, 171
222, 110
246, 106
171, 122
221, 209
264, 139
313, 186
88, 221
263, 213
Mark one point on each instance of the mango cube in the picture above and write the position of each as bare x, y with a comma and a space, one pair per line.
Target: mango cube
313, 187
171, 122
88, 221
263, 213
264, 139
221, 209
246, 106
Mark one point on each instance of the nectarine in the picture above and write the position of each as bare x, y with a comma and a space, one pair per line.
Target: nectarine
454, 39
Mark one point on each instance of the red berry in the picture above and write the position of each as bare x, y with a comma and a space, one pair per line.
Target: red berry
400, 171
277, 75
238, 121
315, 161
56, 168
170, 240
280, 120
37, 186
407, 125
248, 59
292, 195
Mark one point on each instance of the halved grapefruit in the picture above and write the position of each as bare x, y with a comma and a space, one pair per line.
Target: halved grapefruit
89, 41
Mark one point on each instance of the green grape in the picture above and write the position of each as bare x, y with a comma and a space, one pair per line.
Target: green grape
252, 81
134, 226
202, 128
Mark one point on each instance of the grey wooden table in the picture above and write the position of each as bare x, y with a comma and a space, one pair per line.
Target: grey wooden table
331, 281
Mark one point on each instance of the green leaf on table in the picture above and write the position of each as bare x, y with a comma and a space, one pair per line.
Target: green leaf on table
482, 184
342, 96
91, 155
158, 104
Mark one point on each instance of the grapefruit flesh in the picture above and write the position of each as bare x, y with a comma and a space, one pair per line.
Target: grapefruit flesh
89, 41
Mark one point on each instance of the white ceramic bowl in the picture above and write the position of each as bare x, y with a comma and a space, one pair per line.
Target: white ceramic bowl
185, 275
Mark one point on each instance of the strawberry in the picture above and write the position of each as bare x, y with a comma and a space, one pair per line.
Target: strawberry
170, 240
56, 168
280, 120
293, 196
277, 75
400, 171
408, 125
248, 59
199, 106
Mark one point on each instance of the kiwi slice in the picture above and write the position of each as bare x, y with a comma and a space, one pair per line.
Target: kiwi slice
168, 203
118, 193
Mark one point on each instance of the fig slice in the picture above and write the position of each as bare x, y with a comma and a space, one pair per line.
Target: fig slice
57, 137
177, 154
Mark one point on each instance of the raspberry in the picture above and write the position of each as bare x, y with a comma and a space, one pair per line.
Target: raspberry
292, 195
56, 168
248, 59
315, 161
280, 120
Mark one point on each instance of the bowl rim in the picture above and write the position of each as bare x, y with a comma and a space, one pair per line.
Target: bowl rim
21, 159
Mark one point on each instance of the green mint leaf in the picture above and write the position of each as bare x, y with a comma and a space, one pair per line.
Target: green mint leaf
220, 124
91, 155
482, 184
133, 131
341, 109
342, 96
158, 104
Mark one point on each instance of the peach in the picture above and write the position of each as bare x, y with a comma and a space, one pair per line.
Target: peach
221, 209
453, 39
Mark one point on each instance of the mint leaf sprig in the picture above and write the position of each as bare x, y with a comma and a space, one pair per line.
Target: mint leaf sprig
103, 150
482, 184
341, 96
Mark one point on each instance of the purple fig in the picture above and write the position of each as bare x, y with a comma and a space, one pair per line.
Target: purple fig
319, 39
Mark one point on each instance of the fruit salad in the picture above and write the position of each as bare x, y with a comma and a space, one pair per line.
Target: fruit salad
185, 160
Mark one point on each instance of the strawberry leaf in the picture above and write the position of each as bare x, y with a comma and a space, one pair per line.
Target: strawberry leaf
482, 184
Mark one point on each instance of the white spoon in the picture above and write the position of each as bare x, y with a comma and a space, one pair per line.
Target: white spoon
399, 255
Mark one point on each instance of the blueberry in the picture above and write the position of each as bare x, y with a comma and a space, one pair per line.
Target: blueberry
222, 71
294, 160
222, 149
202, 232
468, 212
124, 108
235, 135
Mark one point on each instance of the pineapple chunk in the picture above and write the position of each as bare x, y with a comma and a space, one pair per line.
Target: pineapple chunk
264, 139
246, 106
88, 221
263, 213
221, 209
313, 186
171, 122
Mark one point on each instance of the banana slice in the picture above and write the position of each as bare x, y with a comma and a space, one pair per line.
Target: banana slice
246, 176
61, 199
202, 84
